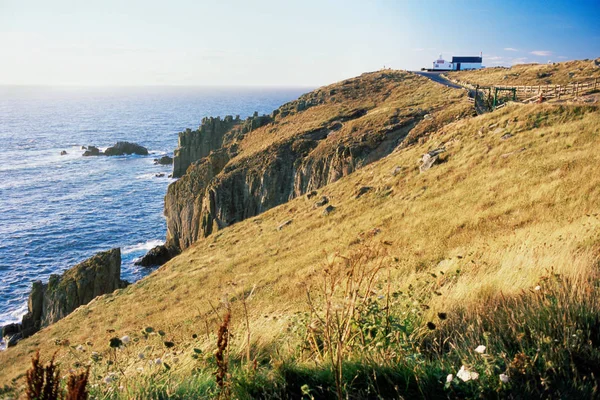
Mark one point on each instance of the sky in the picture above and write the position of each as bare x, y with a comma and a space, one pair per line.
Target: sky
276, 43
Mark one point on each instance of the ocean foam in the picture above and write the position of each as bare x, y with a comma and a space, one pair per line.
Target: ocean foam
145, 246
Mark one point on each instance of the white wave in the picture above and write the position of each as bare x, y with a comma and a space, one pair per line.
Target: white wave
14, 315
153, 175
150, 244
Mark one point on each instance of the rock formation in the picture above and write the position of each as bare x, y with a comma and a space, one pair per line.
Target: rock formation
123, 148
56, 299
430, 158
92, 151
210, 135
119, 149
164, 160
220, 189
231, 169
158, 255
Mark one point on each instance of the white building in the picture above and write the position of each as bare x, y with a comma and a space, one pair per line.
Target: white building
458, 63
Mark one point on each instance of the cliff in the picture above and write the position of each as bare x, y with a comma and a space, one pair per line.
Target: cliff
238, 169
56, 299
211, 135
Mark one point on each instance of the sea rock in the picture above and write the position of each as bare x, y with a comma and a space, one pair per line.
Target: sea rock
63, 153
159, 175
123, 148
164, 160
92, 151
158, 255
56, 299
430, 158
10, 329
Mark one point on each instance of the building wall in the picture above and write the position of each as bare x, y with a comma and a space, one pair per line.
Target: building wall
464, 66
445, 65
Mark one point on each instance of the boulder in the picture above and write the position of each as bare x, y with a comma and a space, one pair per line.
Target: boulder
430, 158
284, 224
335, 126
158, 255
62, 294
164, 160
10, 330
92, 151
363, 190
328, 210
123, 148
324, 200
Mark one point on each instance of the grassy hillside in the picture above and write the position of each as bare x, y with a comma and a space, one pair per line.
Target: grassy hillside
533, 74
306, 144
498, 245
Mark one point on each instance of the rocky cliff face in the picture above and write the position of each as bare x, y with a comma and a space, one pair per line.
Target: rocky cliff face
56, 299
236, 172
211, 135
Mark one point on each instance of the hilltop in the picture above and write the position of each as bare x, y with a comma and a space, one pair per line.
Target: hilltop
444, 231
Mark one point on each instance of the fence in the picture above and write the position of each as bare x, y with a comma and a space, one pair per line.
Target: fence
533, 91
488, 96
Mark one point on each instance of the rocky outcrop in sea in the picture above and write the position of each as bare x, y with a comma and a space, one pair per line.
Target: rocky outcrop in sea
119, 149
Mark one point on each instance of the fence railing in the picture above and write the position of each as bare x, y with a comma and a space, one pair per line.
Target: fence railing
527, 93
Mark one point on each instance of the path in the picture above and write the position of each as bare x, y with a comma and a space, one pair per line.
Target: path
437, 77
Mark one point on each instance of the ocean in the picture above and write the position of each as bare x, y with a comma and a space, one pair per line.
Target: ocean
58, 210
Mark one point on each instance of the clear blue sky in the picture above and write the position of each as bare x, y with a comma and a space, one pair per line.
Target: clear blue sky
279, 42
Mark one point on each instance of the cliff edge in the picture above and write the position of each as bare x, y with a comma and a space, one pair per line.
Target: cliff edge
233, 169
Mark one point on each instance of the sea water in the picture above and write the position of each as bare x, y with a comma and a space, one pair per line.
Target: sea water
58, 210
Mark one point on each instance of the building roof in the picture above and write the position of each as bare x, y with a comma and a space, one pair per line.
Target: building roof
467, 59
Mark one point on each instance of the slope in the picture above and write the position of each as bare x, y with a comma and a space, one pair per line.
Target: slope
515, 196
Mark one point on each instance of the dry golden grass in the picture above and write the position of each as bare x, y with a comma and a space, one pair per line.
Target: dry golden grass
383, 95
503, 212
532, 74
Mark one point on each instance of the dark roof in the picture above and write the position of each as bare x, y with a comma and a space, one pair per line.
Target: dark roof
466, 59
